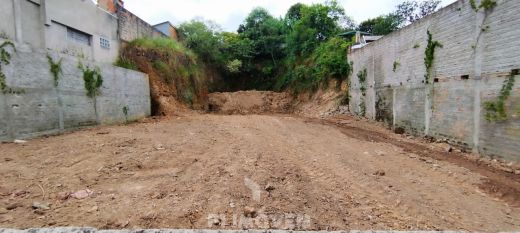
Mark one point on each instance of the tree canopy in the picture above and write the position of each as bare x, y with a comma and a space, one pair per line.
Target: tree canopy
406, 12
299, 51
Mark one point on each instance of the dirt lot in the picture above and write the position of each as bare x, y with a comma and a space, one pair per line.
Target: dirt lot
252, 171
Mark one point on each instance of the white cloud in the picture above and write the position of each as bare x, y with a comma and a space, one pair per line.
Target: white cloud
230, 13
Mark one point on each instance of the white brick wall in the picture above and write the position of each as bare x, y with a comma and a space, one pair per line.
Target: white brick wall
484, 44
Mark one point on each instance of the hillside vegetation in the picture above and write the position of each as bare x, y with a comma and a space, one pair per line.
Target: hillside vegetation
175, 73
300, 53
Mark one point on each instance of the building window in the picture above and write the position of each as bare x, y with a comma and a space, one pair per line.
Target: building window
104, 43
78, 36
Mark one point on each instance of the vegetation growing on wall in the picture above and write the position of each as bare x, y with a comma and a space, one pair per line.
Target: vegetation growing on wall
93, 79
55, 68
396, 65
362, 78
429, 56
484, 4
125, 112
383, 110
496, 110
3, 35
5, 59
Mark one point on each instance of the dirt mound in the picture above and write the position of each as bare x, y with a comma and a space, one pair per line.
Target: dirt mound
323, 103
250, 102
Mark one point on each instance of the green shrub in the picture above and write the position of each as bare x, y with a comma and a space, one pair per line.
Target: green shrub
485, 4
496, 110
331, 60
93, 79
5, 59
234, 66
429, 55
55, 68
328, 61
126, 63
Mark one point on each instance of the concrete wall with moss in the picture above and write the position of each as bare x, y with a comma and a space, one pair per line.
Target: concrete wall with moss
480, 50
34, 106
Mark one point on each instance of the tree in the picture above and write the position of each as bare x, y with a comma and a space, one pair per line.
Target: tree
237, 50
381, 25
411, 10
266, 33
204, 38
294, 14
316, 24
267, 36
300, 51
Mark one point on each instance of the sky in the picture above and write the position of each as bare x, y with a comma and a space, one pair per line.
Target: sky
229, 14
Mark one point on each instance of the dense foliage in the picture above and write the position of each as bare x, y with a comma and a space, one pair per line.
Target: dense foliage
300, 51
381, 25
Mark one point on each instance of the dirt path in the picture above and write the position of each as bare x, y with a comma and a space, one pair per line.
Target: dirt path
278, 171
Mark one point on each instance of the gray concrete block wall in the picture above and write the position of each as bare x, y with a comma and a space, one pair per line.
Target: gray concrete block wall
501, 138
408, 108
480, 49
452, 113
132, 27
41, 108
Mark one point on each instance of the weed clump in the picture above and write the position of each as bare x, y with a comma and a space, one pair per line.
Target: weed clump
496, 110
93, 79
55, 68
429, 55
5, 59
362, 78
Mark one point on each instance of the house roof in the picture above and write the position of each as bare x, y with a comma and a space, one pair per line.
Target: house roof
352, 33
165, 22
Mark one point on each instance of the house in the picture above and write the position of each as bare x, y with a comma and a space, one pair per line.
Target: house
131, 27
168, 29
359, 39
76, 27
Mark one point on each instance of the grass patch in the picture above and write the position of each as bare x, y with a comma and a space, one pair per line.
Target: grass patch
126, 63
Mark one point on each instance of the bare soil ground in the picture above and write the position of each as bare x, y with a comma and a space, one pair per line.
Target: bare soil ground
249, 102
337, 173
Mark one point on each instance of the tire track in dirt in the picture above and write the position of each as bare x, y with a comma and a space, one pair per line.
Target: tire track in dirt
324, 170
367, 183
503, 185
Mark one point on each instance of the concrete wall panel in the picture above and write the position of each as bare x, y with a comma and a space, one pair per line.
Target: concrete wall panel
38, 107
480, 50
